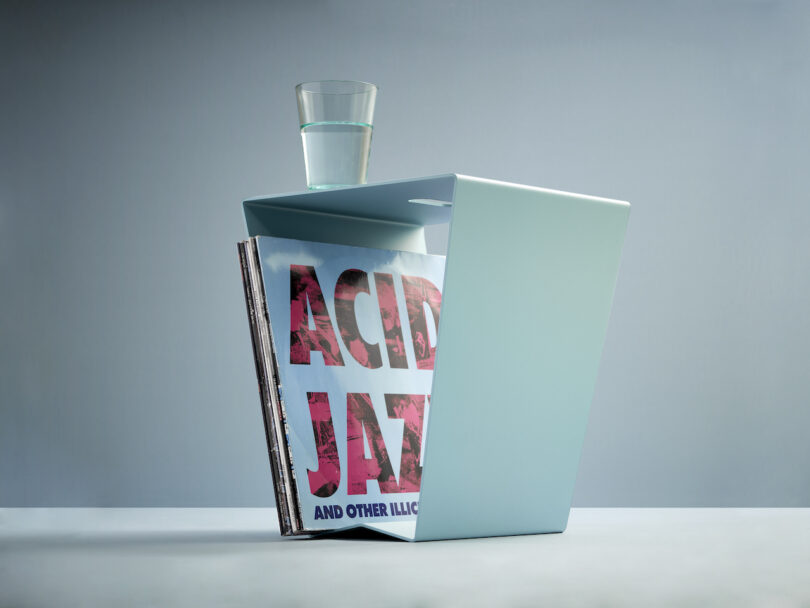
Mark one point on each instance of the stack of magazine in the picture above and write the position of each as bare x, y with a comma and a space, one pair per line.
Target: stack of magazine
344, 340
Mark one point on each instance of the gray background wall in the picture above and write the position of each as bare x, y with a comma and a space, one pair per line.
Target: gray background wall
129, 133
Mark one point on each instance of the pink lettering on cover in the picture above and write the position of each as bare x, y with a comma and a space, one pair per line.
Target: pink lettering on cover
351, 283
325, 481
411, 409
392, 327
359, 416
417, 292
304, 288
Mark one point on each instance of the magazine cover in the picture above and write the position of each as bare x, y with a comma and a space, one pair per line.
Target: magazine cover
352, 333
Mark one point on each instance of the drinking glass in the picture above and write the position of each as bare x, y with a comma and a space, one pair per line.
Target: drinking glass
336, 118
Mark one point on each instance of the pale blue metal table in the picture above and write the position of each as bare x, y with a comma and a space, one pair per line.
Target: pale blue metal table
528, 287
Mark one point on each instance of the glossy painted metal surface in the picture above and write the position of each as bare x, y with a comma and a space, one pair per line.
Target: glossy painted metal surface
525, 305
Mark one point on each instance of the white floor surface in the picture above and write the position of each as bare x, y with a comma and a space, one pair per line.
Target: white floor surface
235, 557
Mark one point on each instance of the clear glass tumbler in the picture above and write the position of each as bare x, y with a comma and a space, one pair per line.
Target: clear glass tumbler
336, 118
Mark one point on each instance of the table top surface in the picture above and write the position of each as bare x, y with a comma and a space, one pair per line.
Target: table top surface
236, 557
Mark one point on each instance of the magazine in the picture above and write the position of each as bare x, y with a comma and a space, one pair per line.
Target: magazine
344, 341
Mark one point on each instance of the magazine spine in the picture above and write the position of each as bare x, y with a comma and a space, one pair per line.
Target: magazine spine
272, 414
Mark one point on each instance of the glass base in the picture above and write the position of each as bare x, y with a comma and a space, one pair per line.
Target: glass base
330, 186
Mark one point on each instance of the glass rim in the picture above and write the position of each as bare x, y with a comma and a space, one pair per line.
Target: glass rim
365, 88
